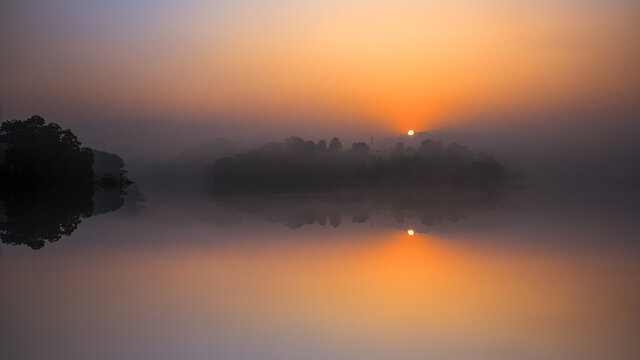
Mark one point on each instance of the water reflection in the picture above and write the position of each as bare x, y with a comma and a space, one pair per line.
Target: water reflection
545, 275
36, 218
424, 206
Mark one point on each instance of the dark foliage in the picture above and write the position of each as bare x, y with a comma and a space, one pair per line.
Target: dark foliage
47, 182
296, 162
38, 155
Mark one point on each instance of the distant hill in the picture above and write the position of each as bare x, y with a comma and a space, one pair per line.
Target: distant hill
188, 166
209, 152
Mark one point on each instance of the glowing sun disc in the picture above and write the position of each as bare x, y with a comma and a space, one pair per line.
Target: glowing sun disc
410, 132
410, 232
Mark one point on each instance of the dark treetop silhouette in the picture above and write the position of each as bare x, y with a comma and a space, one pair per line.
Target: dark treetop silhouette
47, 181
38, 154
296, 162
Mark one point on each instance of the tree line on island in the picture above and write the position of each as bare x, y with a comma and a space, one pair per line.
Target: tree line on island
296, 162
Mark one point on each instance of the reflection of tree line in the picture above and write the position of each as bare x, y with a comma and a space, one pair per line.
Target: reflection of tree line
430, 206
49, 214
433, 182
49, 182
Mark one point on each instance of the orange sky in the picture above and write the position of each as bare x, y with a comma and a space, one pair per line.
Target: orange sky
384, 65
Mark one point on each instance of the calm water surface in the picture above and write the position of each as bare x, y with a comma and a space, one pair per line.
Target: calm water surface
495, 274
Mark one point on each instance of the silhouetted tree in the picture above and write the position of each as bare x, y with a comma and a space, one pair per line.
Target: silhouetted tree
360, 149
294, 143
39, 154
335, 145
322, 145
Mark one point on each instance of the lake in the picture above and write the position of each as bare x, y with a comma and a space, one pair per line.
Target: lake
507, 273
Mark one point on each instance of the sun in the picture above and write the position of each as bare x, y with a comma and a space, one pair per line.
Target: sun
411, 232
410, 132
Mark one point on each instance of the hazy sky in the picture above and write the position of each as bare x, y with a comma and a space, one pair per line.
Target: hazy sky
121, 71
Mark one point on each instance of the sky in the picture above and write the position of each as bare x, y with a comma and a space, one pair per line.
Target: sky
157, 76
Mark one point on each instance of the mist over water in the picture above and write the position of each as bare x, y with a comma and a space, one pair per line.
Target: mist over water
514, 272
